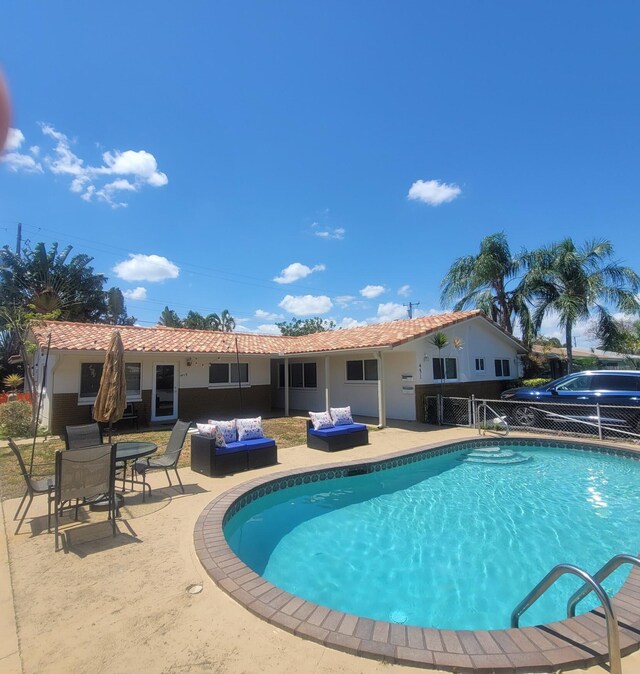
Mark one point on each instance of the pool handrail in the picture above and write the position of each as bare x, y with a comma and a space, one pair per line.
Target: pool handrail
613, 639
599, 576
483, 425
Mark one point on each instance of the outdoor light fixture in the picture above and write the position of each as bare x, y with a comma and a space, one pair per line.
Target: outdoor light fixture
189, 361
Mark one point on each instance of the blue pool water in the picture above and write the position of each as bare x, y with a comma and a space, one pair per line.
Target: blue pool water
445, 543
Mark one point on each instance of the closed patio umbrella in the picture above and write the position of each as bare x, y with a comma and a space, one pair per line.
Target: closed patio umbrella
112, 394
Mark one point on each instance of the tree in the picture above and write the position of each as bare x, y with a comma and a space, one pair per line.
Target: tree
195, 321
481, 281
573, 282
51, 281
116, 311
225, 322
309, 326
169, 318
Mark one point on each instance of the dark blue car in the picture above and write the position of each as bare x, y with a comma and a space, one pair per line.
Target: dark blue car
605, 387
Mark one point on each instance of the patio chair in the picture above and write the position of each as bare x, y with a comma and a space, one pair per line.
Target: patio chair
167, 460
85, 435
85, 475
44, 485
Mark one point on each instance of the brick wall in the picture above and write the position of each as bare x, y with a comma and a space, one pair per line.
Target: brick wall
193, 405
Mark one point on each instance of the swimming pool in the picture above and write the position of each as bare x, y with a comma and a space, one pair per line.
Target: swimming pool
570, 643
434, 541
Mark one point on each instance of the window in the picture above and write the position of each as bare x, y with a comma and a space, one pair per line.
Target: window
362, 370
91, 373
445, 368
227, 373
480, 365
503, 368
301, 375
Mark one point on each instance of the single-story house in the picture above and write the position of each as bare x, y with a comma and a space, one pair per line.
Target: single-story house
382, 370
603, 360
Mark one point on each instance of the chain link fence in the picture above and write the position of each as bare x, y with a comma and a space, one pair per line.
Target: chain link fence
605, 422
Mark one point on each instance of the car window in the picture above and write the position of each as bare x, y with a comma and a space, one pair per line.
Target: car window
580, 383
615, 382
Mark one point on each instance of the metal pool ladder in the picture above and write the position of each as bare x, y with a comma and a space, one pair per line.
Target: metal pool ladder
590, 584
499, 421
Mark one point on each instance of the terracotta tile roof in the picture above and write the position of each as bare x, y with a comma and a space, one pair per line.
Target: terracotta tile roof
67, 336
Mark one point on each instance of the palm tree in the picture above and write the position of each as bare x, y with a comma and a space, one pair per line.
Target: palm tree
481, 281
574, 282
224, 322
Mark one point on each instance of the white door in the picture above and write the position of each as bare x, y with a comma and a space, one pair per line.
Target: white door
164, 396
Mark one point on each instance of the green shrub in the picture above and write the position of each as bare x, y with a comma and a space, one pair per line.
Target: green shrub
15, 418
529, 383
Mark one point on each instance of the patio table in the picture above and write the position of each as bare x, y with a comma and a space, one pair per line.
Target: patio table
131, 451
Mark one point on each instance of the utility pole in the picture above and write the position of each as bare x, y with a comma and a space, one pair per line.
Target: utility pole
19, 239
410, 307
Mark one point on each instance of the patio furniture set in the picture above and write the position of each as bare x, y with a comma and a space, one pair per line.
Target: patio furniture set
86, 472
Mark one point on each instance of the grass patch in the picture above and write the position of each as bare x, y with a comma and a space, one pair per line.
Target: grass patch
287, 432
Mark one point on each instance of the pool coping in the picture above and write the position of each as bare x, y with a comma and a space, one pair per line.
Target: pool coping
574, 642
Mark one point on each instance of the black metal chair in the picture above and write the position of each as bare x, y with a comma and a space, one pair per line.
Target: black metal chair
44, 485
85, 475
167, 460
85, 435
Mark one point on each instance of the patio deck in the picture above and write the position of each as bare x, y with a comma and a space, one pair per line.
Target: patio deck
122, 604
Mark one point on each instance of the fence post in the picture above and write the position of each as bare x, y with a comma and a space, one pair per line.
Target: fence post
439, 414
470, 408
599, 421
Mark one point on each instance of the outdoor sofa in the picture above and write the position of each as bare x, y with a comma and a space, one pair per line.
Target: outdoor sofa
210, 459
338, 437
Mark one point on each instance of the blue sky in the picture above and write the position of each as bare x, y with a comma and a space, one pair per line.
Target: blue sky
297, 158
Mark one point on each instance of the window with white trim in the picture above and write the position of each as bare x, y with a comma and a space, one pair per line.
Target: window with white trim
91, 373
445, 369
480, 366
227, 373
503, 367
301, 375
362, 370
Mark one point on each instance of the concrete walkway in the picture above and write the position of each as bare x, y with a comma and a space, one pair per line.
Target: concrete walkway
124, 604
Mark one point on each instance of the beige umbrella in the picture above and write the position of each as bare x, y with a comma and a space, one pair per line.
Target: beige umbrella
112, 394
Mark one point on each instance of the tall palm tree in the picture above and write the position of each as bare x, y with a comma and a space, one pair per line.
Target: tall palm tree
575, 283
481, 281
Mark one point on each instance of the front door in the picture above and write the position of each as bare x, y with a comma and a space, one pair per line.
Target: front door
164, 398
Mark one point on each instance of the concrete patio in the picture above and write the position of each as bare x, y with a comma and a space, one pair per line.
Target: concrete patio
122, 604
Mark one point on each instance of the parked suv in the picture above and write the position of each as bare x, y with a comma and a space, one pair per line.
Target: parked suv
604, 387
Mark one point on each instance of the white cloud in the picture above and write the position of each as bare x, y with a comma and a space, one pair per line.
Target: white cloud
336, 233
146, 268
15, 138
138, 293
581, 331
268, 329
404, 291
268, 315
391, 311
15, 161
372, 291
344, 300
119, 172
306, 305
295, 271
433, 192
348, 322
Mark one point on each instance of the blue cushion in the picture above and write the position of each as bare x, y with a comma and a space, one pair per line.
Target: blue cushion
231, 448
259, 443
338, 430
239, 446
